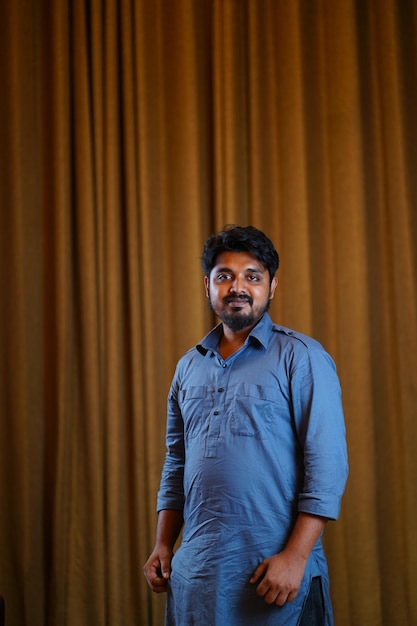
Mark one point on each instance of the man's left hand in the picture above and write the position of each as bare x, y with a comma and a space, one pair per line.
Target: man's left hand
279, 578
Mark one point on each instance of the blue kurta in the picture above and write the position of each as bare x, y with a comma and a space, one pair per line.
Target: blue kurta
251, 441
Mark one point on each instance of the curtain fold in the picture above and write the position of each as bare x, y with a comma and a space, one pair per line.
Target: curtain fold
129, 132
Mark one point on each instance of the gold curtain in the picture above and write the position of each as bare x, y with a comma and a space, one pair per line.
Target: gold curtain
131, 130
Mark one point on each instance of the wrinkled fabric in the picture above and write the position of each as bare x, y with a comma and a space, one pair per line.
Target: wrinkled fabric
251, 441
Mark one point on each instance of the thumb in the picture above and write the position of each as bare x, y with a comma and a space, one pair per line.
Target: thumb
165, 569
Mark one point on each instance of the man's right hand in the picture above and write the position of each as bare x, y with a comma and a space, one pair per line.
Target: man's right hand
157, 569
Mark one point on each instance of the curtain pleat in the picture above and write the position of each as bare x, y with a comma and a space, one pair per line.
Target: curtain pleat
129, 132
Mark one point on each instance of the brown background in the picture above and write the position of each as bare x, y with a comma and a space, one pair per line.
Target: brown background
129, 131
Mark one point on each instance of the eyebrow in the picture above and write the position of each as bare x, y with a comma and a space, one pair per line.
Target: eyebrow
251, 270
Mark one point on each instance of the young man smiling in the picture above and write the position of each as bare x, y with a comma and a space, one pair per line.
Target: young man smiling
239, 290
256, 458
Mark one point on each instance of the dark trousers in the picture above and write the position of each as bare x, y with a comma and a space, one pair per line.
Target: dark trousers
313, 612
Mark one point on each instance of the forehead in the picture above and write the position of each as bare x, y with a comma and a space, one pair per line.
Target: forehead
238, 261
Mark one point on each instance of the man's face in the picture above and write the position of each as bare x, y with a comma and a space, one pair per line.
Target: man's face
239, 289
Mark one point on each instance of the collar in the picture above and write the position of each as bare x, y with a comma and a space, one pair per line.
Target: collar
259, 334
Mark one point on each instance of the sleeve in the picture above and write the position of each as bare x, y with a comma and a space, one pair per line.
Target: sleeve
171, 491
319, 420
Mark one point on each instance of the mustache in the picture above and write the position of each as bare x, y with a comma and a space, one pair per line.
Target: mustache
241, 297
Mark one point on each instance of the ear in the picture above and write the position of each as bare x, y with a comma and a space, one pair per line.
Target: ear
206, 286
274, 285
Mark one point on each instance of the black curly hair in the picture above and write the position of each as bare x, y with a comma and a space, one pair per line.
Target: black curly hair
240, 239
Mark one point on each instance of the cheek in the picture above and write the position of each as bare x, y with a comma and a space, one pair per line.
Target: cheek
261, 297
216, 292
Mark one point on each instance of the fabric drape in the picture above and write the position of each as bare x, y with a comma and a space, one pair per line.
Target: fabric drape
129, 132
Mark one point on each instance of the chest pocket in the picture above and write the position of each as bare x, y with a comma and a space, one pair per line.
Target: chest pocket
255, 411
191, 403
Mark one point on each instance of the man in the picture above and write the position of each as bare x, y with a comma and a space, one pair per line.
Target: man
256, 458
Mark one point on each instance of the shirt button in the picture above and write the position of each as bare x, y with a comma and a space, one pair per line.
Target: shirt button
220, 389
215, 412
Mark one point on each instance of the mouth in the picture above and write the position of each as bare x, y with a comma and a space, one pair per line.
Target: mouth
237, 301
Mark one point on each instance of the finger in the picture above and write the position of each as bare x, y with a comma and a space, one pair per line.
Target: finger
258, 573
281, 599
156, 581
292, 596
159, 585
153, 574
262, 589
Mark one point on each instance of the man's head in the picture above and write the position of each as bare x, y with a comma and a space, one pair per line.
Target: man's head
240, 239
240, 265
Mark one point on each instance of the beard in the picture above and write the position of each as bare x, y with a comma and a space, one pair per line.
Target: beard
236, 320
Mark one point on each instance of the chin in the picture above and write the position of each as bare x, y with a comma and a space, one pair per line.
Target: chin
238, 322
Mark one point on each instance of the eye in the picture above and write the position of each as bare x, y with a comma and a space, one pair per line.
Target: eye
254, 278
223, 277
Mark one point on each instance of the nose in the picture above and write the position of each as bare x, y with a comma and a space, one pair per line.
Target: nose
237, 286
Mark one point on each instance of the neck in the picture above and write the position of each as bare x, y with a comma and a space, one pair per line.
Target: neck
231, 340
